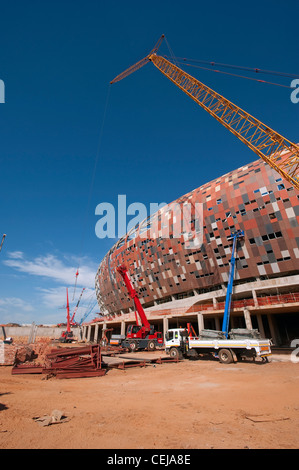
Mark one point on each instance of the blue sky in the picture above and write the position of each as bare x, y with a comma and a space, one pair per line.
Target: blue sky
56, 60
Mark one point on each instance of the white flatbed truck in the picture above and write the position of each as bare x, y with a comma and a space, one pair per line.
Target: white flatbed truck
179, 345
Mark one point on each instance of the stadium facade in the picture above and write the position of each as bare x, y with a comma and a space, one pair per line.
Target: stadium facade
178, 283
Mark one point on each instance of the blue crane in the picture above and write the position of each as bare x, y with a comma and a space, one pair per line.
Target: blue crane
88, 312
239, 234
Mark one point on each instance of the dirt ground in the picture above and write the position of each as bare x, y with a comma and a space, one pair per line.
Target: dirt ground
198, 404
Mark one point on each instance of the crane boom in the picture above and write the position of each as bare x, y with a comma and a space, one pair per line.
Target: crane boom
281, 154
139, 64
76, 308
142, 336
235, 236
3, 237
133, 294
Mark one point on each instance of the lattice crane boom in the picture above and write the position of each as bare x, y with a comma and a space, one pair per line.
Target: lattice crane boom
280, 153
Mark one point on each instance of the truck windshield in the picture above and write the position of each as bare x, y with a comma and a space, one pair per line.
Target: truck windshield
135, 329
169, 335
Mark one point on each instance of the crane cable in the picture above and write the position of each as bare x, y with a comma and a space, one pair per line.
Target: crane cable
256, 70
249, 69
92, 184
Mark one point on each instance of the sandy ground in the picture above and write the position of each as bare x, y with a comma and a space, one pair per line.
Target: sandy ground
198, 404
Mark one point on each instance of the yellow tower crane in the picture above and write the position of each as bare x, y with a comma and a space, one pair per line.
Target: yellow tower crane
281, 154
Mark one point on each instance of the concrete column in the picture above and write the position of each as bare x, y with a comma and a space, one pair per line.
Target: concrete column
200, 322
88, 332
260, 325
247, 319
123, 328
254, 298
84, 333
165, 326
215, 303
96, 332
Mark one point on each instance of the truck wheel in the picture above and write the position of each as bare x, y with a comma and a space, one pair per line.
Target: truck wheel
133, 346
225, 356
151, 346
175, 353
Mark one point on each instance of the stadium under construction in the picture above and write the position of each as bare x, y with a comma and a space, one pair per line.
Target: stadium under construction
177, 284
184, 278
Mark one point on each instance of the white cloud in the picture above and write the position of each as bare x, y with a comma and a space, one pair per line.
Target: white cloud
15, 310
50, 301
51, 267
15, 254
55, 298
16, 303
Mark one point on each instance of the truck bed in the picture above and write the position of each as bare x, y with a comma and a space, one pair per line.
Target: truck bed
261, 346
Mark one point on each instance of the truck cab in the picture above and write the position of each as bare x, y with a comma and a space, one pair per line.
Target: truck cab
174, 338
133, 330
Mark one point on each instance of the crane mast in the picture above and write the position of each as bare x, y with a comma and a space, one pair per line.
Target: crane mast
68, 311
280, 153
234, 236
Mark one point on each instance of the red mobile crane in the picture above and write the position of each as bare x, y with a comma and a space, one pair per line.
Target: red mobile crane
72, 322
67, 336
138, 336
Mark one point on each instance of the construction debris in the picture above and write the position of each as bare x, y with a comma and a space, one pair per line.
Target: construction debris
86, 361
56, 417
266, 419
13, 353
124, 362
67, 363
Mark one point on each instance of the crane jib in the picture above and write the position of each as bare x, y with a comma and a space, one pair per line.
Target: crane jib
274, 149
281, 154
